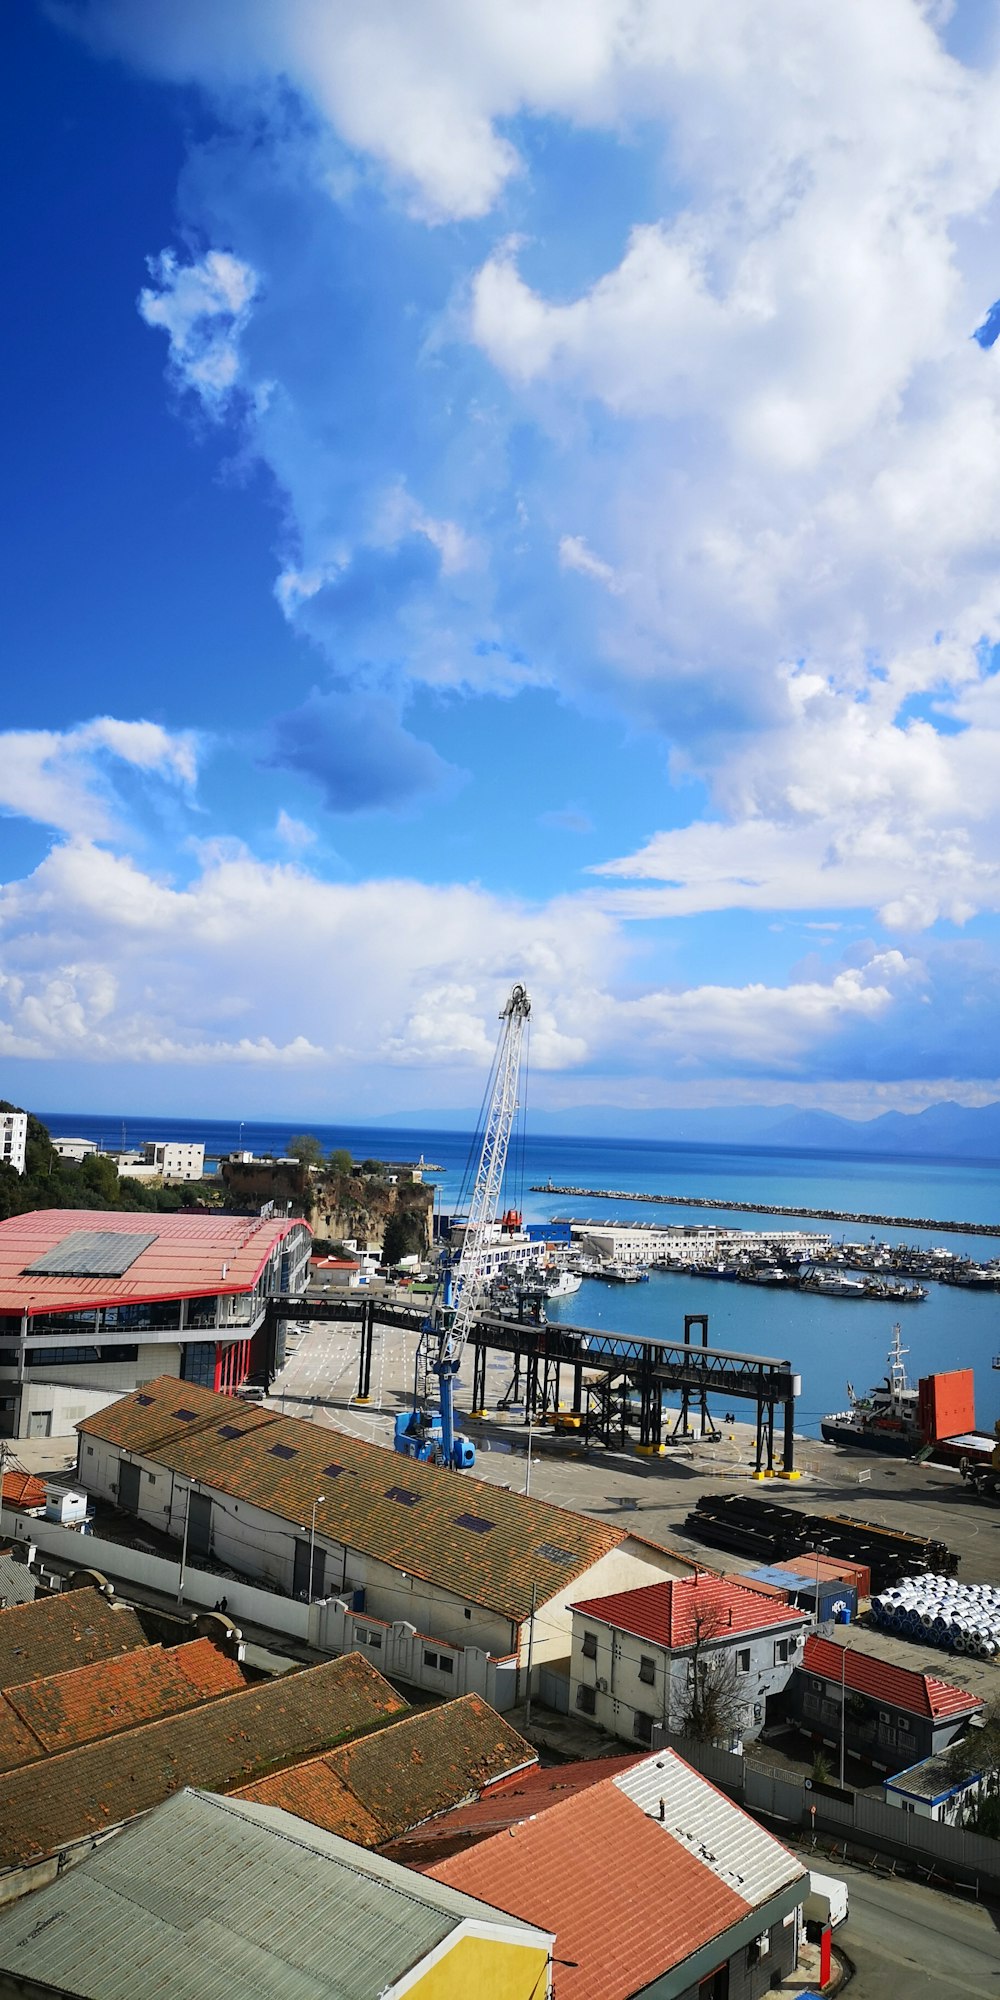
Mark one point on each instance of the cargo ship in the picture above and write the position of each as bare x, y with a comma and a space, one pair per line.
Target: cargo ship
887, 1419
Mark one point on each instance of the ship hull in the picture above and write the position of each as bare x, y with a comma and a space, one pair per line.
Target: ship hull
888, 1444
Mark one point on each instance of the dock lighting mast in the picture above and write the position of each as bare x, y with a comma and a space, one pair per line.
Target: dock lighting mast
417, 1434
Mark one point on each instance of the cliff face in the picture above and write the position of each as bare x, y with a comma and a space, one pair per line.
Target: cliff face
336, 1206
359, 1206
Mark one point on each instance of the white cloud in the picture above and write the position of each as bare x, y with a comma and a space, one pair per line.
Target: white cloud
203, 308
293, 833
65, 778
574, 554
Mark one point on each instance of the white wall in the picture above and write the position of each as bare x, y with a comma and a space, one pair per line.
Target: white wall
665, 1699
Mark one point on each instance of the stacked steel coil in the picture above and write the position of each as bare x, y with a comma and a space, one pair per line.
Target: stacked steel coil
937, 1611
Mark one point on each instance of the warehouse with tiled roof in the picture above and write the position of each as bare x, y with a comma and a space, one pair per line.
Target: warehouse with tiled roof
650, 1879
62, 1711
53, 1634
223, 1744
94, 1302
440, 1578
378, 1787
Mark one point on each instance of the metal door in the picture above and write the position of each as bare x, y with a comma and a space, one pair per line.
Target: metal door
199, 1524
300, 1575
40, 1423
128, 1486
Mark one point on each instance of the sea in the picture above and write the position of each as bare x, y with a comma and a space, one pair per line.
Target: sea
828, 1341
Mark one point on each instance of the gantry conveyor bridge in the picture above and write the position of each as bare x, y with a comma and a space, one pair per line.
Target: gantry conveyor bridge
600, 1384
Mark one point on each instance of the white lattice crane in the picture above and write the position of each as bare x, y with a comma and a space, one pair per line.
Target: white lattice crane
420, 1434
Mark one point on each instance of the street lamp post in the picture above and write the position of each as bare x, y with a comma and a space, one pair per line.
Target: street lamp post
318, 1502
843, 1705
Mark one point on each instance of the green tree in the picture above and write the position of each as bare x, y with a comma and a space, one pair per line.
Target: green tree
978, 1751
404, 1237
306, 1149
341, 1161
376, 1168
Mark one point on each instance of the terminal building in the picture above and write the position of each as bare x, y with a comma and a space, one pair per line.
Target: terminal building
93, 1304
693, 1242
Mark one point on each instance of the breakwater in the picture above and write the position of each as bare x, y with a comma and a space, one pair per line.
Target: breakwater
770, 1208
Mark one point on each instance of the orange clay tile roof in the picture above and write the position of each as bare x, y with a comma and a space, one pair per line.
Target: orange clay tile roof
488, 1546
218, 1746
98, 1701
671, 1613
56, 1633
898, 1687
626, 1903
373, 1790
22, 1489
184, 1261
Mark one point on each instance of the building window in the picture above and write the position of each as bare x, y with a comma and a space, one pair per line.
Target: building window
647, 1669
642, 1726
367, 1636
781, 1651
743, 1660
586, 1700
468, 1612
440, 1663
590, 1645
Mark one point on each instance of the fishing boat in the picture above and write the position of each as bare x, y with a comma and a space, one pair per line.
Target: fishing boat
886, 1419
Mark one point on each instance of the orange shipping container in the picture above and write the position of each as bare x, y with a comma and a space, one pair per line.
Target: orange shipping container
946, 1404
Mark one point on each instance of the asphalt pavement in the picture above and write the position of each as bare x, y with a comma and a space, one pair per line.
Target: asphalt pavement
908, 1942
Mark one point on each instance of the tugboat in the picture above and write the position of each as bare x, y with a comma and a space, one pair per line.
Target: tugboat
886, 1419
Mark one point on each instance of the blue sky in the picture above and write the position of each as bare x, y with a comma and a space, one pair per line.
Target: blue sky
500, 493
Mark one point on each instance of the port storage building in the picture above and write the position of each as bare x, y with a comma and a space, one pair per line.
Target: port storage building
653, 1882
893, 1716
216, 1896
446, 1582
94, 1303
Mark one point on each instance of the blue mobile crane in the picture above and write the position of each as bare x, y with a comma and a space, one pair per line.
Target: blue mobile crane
426, 1432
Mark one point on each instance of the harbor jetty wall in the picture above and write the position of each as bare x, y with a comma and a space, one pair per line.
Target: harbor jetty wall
769, 1208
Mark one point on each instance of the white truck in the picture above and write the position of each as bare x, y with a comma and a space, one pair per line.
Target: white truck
826, 1903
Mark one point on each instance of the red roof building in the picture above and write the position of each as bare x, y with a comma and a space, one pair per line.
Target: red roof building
83, 1292
646, 1874
640, 1658
891, 1716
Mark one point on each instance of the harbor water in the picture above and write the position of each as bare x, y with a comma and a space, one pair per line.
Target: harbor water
828, 1341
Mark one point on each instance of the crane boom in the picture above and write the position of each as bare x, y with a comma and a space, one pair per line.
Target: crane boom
468, 1282
464, 1286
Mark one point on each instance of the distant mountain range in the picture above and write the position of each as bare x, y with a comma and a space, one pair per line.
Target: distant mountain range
956, 1131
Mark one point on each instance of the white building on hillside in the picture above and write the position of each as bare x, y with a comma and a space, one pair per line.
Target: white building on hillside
13, 1138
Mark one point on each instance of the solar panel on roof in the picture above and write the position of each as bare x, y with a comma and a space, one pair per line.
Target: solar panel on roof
283, 1451
188, 1416
332, 1471
92, 1253
553, 1554
403, 1495
475, 1523
144, 1401
230, 1431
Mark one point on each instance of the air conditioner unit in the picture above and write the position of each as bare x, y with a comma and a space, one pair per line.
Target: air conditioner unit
602, 1687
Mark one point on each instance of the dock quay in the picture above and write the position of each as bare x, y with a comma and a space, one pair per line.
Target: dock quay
768, 1208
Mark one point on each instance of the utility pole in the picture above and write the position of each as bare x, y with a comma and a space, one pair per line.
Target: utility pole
184, 1548
531, 1650
318, 1502
843, 1707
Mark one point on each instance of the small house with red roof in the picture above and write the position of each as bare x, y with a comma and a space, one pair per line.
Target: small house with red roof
653, 1881
892, 1716
639, 1655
